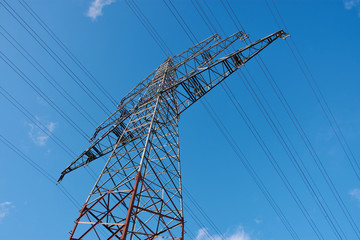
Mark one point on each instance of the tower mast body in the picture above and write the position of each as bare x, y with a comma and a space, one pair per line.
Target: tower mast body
138, 194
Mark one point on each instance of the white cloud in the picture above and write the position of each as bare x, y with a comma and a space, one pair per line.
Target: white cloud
5, 209
355, 193
352, 4
96, 7
239, 234
40, 135
258, 221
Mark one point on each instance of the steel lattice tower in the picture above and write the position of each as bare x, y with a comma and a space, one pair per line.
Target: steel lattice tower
138, 194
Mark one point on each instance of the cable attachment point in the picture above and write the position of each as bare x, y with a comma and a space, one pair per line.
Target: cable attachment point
284, 35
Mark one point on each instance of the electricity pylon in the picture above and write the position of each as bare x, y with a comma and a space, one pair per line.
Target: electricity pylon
138, 194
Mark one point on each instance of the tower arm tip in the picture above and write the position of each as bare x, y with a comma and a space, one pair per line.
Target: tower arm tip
60, 178
284, 35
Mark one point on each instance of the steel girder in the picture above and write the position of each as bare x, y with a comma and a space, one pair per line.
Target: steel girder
138, 193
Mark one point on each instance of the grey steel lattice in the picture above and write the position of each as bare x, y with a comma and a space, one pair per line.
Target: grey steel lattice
138, 193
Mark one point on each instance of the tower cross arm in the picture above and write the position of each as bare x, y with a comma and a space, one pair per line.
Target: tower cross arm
190, 82
196, 83
126, 105
204, 52
198, 55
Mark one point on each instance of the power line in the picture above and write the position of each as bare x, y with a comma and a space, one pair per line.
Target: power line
326, 215
285, 180
203, 213
55, 57
41, 170
301, 169
234, 19
186, 29
281, 174
209, 26
56, 85
180, 16
204, 21
48, 77
310, 146
213, 16
241, 156
161, 42
321, 100
286, 147
20, 73
67, 51
149, 27
265, 195
318, 202
41, 126
197, 220
33, 119
42, 94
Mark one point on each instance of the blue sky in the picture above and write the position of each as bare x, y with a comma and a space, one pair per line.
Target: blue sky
110, 41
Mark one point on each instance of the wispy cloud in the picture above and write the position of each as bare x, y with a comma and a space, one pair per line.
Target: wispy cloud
239, 234
352, 4
5, 209
258, 220
40, 135
96, 7
355, 194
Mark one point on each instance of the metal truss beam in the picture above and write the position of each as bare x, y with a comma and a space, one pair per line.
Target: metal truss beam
138, 194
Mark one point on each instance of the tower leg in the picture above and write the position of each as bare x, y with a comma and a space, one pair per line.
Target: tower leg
130, 209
